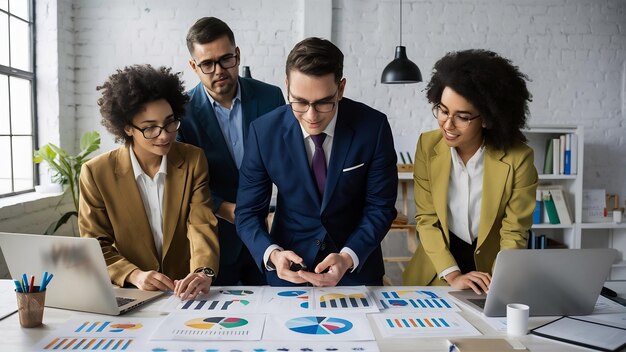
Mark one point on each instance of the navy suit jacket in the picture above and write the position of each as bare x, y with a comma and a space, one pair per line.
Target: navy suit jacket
200, 128
358, 204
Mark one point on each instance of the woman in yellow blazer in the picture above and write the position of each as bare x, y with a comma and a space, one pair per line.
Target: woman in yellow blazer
148, 202
475, 180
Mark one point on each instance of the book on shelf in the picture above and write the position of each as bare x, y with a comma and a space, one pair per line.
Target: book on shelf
562, 154
537, 211
556, 155
557, 197
567, 155
548, 204
548, 163
574, 157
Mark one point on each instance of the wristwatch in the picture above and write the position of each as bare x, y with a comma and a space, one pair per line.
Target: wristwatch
206, 271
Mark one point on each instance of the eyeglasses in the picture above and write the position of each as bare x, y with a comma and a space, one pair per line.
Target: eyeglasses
153, 132
319, 106
208, 67
460, 120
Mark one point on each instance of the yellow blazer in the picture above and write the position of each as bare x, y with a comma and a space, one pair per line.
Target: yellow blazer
112, 211
508, 200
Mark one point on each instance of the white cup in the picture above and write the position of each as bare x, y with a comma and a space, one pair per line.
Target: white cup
517, 319
617, 216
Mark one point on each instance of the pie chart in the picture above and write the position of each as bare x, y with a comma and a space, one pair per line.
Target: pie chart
319, 325
208, 323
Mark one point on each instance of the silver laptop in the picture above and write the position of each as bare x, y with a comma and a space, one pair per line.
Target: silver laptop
549, 281
81, 280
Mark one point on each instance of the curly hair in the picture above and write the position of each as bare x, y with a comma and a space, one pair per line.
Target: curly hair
493, 85
125, 93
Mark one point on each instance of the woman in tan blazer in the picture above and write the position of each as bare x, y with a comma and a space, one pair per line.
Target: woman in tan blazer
475, 179
148, 202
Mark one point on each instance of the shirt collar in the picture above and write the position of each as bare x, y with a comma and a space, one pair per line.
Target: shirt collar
237, 96
138, 171
329, 130
476, 157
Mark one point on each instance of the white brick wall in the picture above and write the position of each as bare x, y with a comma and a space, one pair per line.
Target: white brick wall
573, 50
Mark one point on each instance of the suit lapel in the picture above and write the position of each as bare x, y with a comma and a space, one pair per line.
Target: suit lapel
127, 185
209, 124
249, 106
441, 165
341, 145
294, 139
494, 179
173, 194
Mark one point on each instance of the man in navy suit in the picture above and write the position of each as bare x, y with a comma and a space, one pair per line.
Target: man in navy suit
216, 119
334, 164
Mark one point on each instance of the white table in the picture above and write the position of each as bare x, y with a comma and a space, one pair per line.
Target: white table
15, 338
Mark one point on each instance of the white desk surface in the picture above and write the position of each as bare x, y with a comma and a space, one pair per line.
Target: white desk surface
15, 338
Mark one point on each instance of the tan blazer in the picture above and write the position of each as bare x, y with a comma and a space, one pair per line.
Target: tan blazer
508, 200
111, 210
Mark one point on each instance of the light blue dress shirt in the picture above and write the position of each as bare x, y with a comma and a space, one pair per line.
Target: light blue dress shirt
231, 121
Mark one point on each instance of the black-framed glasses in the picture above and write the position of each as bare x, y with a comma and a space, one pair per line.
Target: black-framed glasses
460, 120
226, 61
319, 106
153, 132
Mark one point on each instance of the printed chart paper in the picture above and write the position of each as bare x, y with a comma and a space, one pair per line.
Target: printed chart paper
261, 346
424, 325
210, 326
219, 299
108, 333
286, 299
353, 299
329, 326
405, 299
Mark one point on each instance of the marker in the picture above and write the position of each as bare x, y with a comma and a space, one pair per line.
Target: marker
45, 277
25, 282
452, 347
18, 286
45, 284
31, 288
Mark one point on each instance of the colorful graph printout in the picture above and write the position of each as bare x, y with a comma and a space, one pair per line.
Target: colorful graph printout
261, 346
411, 300
88, 343
343, 298
321, 326
424, 325
286, 299
220, 299
210, 326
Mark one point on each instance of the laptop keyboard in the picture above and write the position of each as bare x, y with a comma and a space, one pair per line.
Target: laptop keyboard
478, 301
121, 301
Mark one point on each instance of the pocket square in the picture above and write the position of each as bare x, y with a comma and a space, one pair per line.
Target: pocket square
353, 167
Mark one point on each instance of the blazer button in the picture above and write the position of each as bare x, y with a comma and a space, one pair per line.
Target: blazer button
318, 242
478, 251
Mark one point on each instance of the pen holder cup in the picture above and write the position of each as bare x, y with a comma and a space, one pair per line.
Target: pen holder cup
30, 307
405, 167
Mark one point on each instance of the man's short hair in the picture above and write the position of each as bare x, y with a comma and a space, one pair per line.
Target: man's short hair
316, 57
206, 30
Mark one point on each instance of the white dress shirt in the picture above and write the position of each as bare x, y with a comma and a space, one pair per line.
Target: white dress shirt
151, 191
464, 197
309, 146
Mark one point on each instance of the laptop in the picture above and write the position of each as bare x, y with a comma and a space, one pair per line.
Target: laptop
550, 281
81, 280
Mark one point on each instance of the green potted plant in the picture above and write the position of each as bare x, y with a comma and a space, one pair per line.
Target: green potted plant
66, 170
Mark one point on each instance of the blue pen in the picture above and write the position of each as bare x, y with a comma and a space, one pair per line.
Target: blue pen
25, 282
45, 284
43, 280
18, 286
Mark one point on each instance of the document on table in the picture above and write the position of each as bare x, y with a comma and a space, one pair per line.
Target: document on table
584, 333
8, 300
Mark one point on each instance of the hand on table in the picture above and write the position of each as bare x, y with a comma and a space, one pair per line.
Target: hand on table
192, 286
150, 280
476, 280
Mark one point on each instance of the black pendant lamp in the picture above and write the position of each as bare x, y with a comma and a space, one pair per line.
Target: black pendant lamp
401, 69
246, 72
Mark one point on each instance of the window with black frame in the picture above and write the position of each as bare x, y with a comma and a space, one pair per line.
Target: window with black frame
17, 105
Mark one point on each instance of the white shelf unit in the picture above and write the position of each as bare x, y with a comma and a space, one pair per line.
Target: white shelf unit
538, 137
579, 234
